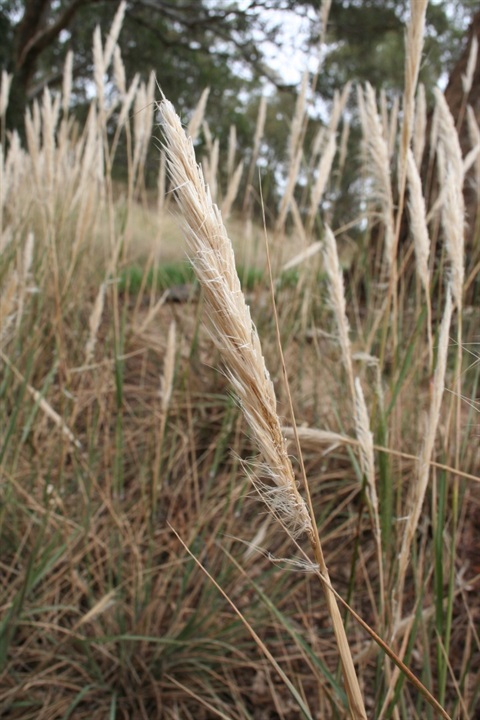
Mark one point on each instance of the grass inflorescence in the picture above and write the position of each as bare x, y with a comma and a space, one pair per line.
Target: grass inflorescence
336, 367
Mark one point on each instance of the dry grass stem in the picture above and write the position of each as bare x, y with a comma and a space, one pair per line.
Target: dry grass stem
168, 368
94, 323
323, 175
237, 339
415, 501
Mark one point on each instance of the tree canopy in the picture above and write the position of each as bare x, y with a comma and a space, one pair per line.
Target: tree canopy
192, 44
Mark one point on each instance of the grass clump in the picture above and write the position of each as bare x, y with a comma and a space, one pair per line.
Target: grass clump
140, 575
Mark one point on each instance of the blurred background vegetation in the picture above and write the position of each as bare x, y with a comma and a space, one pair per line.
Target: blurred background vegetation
228, 47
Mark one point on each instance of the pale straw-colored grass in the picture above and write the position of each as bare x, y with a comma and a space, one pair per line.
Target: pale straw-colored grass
257, 138
238, 341
421, 238
94, 323
339, 307
323, 175
233, 331
232, 150
377, 158
420, 125
232, 191
419, 487
367, 464
198, 115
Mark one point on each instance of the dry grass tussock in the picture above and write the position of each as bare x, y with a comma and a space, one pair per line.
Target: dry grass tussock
141, 576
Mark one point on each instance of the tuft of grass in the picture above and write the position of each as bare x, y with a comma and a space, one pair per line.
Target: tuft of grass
119, 429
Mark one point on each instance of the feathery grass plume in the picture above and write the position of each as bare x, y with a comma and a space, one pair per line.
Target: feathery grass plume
413, 57
259, 129
420, 125
211, 169
232, 149
232, 327
421, 238
343, 147
367, 464
474, 133
238, 341
467, 78
338, 106
232, 191
198, 115
323, 174
112, 37
338, 304
119, 71
6, 81
161, 183
67, 82
4, 92
298, 118
295, 153
318, 143
376, 149
99, 69
142, 125
128, 99
453, 208
453, 219
392, 126
418, 489
94, 323
48, 136
448, 137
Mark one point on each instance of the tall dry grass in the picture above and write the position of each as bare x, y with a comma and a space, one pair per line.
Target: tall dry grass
118, 425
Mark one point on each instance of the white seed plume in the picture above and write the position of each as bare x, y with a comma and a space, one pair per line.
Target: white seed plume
232, 328
4, 92
199, 113
338, 304
112, 37
467, 79
67, 82
378, 154
420, 125
323, 174
418, 221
